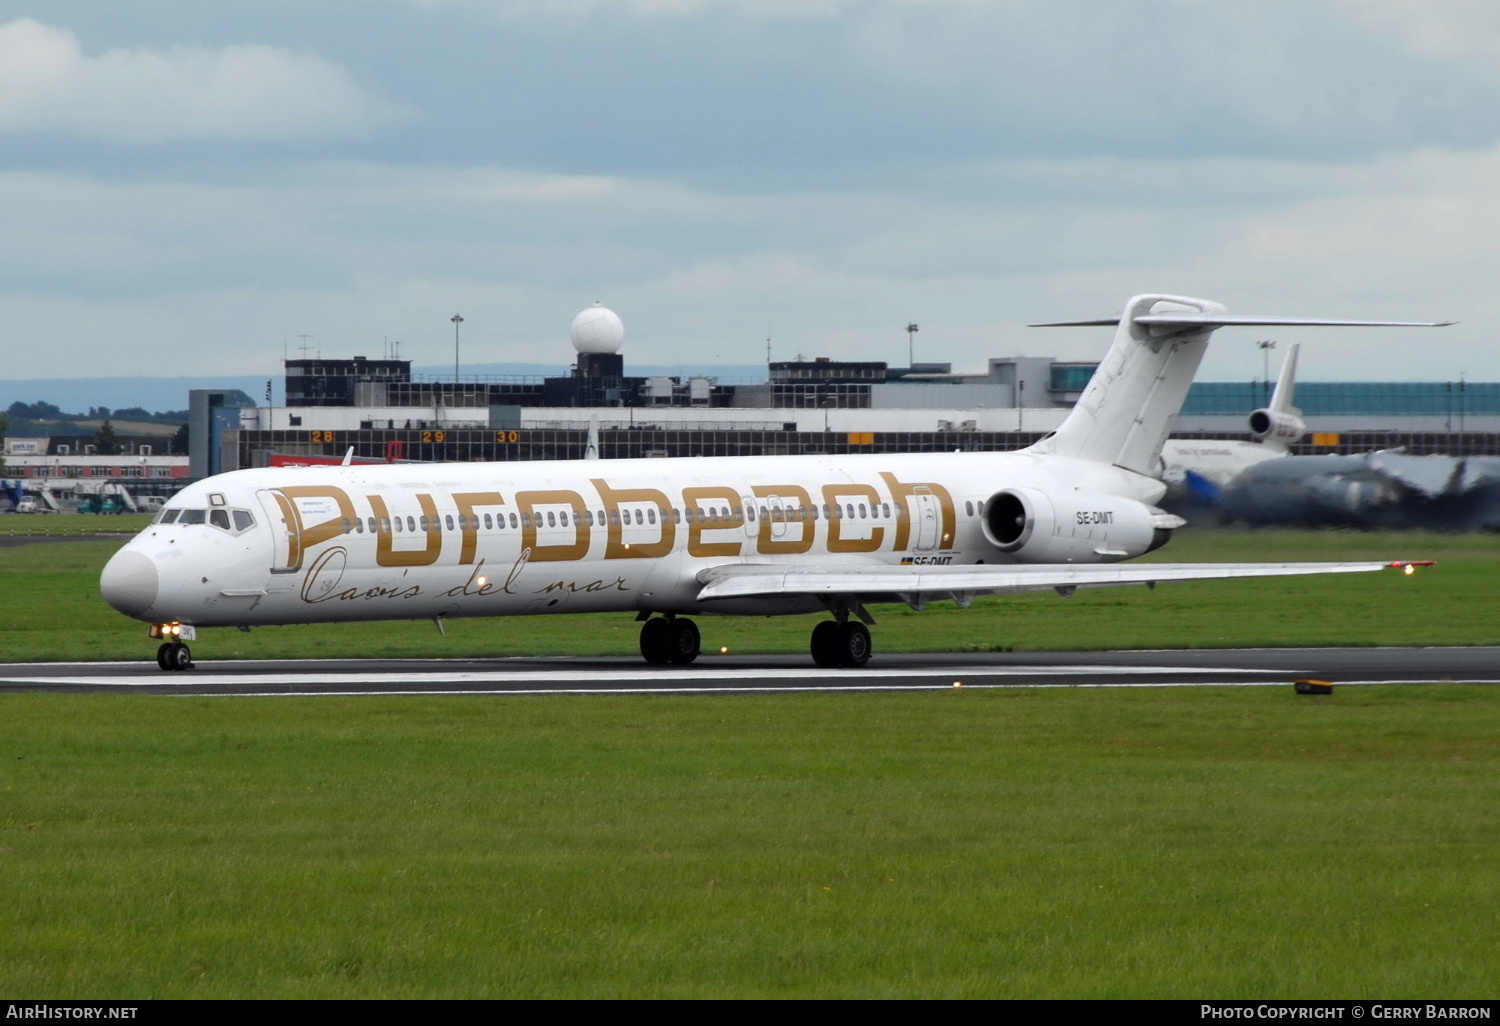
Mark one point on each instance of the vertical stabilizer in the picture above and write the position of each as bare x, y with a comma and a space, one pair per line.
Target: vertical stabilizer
591, 447
1281, 399
1129, 406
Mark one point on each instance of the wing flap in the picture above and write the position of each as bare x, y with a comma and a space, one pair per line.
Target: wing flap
749, 580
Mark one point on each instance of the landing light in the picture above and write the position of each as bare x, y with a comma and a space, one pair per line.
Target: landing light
480, 581
1408, 570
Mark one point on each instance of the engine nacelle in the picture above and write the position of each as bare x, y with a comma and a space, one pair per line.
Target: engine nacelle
1034, 526
1272, 426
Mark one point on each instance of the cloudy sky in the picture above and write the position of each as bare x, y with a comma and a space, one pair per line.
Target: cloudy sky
192, 187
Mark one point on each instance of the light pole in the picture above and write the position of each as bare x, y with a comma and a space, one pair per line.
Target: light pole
911, 335
457, 320
1265, 362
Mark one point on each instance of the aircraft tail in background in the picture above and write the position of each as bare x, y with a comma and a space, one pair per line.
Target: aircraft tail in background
1280, 424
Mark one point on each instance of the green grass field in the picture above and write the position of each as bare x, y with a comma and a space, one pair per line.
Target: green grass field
1037, 843
1215, 842
71, 525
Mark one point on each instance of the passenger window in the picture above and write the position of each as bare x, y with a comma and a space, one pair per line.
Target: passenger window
423, 524
385, 525
219, 518
397, 521
551, 519
411, 524
526, 519
514, 522
448, 520
486, 522
372, 525
650, 516
348, 527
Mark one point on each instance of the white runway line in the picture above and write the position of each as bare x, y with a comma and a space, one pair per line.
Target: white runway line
851, 689
190, 679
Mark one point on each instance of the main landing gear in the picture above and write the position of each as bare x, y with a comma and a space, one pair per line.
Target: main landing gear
841, 644
670, 639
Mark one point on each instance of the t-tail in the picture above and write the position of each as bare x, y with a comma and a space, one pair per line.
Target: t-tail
1133, 399
1280, 424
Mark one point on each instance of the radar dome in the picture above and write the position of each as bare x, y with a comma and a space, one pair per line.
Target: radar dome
598, 330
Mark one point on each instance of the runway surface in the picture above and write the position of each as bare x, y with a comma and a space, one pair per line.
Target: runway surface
752, 674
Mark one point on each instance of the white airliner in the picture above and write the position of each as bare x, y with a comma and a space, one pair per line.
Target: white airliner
665, 539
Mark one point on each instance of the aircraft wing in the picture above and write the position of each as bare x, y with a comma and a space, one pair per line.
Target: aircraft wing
750, 580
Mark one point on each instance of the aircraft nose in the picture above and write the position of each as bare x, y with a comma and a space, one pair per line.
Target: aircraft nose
129, 583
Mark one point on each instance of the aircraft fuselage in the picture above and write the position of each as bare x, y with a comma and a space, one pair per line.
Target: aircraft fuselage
415, 541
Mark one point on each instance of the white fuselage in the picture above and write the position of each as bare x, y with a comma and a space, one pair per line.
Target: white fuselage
293, 545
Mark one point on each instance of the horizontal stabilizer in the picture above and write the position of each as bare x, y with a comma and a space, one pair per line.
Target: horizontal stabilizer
1219, 320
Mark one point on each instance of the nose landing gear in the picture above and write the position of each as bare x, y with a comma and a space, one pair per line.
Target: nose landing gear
172, 653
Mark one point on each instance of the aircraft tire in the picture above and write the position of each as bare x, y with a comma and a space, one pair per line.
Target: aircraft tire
655, 642
825, 643
684, 642
161, 655
180, 657
854, 644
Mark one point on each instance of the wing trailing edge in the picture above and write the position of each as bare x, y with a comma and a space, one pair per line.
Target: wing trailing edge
752, 581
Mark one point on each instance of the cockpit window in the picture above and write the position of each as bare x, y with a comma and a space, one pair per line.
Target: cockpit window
219, 518
193, 516
243, 521
168, 516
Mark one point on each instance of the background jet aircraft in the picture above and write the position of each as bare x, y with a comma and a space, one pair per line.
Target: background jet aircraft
1196, 471
1375, 489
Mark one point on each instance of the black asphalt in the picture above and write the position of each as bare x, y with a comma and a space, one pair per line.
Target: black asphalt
748, 673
